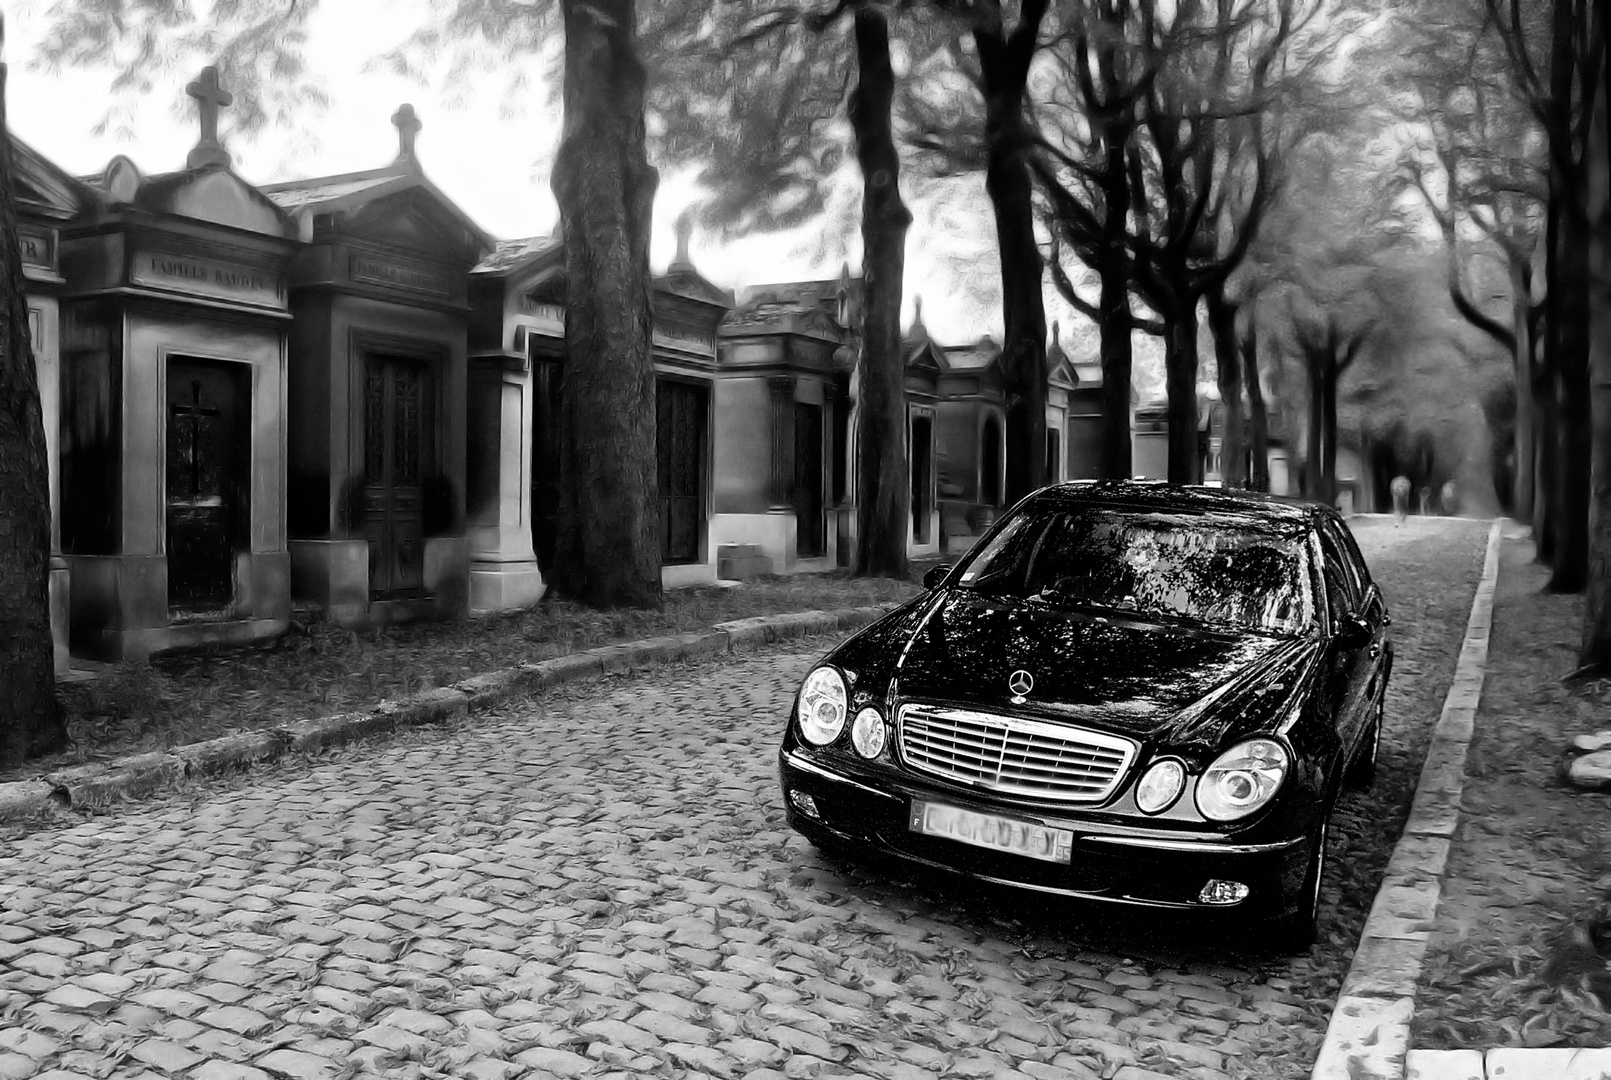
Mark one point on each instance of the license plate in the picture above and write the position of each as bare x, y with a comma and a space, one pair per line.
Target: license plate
991, 831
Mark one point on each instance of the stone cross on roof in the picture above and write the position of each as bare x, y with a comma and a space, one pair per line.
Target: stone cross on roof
408, 126
685, 233
210, 97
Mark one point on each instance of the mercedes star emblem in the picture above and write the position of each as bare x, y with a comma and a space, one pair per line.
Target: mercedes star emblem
1020, 683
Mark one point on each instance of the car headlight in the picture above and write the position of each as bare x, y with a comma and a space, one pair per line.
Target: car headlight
1242, 779
821, 712
868, 734
1160, 786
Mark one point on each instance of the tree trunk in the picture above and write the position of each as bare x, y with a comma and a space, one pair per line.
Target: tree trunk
1115, 350
1313, 459
1004, 66
1328, 437
882, 466
608, 548
1570, 565
1227, 354
1521, 496
1180, 370
1259, 480
1544, 455
30, 722
1595, 652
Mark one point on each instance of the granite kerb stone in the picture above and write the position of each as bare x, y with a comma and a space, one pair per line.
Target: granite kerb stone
97, 785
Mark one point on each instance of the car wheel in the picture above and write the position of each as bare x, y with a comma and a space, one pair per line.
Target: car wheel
1294, 933
1362, 773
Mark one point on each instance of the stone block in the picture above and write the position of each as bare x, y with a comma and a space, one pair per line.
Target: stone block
97, 785
231, 751
1366, 1040
1385, 967
1445, 1065
1554, 1063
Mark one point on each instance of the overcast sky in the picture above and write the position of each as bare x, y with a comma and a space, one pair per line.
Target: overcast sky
485, 148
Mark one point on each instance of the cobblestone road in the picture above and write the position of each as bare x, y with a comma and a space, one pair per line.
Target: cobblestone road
598, 885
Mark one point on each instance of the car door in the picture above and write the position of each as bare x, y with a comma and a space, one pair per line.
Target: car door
1348, 669
1373, 608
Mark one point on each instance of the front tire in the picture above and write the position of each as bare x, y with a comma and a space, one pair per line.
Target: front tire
1362, 772
1292, 934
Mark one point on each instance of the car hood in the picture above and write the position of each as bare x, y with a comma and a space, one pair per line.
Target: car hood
1149, 680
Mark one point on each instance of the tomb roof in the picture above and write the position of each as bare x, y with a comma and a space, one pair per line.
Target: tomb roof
511, 255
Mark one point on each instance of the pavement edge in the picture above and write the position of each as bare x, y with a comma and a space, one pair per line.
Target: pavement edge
1368, 1036
94, 786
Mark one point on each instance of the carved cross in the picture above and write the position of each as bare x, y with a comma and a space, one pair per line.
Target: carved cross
210, 97
408, 126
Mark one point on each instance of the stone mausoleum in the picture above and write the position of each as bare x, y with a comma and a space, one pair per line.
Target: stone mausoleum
341, 394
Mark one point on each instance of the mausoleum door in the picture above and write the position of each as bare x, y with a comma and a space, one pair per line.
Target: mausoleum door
922, 426
679, 449
808, 480
206, 481
397, 442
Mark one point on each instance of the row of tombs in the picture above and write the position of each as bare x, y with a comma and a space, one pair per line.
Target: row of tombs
341, 393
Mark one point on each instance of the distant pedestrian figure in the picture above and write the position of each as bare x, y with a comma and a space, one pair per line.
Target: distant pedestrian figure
1426, 500
1451, 499
1401, 498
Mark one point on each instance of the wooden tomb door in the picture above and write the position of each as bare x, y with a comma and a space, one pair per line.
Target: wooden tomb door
206, 481
808, 523
679, 450
397, 456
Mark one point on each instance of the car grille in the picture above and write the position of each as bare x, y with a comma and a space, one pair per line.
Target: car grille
1012, 755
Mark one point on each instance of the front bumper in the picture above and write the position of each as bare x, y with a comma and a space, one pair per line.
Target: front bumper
1129, 865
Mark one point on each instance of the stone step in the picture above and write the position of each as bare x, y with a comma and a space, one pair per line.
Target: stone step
737, 551
738, 568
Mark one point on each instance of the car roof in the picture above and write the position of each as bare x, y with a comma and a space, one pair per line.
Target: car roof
1251, 508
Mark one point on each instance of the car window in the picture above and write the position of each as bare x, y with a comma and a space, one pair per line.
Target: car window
1353, 562
1343, 593
1219, 570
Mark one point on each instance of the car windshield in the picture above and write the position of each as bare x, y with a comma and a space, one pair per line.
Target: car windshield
1218, 569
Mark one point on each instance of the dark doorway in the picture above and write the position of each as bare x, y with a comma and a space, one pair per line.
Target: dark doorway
547, 379
990, 463
922, 469
398, 423
679, 448
1054, 452
207, 486
808, 521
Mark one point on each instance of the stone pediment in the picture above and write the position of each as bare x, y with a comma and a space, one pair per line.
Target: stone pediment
211, 193
694, 286
924, 357
1061, 373
413, 220
393, 206
42, 187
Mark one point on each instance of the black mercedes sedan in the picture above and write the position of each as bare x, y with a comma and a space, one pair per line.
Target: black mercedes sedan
1126, 691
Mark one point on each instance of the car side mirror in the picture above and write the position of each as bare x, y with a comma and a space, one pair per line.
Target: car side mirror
935, 574
1353, 632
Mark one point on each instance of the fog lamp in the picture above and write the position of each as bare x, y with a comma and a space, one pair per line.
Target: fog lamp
805, 804
1222, 892
867, 733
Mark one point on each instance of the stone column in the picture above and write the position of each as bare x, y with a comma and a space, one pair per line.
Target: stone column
503, 566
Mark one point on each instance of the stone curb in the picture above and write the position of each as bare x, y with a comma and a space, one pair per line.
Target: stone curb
88, 787
1368, 1036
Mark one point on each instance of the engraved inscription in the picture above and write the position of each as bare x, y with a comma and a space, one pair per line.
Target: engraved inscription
206, 277
36, 247
542, 309
376, 272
